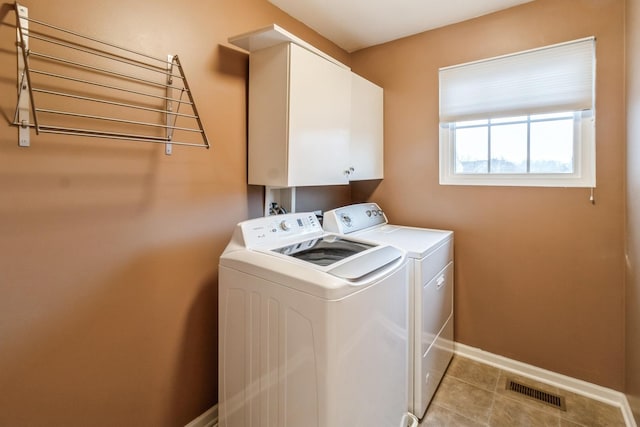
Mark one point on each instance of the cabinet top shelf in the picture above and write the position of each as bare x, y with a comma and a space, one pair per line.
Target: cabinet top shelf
273, 35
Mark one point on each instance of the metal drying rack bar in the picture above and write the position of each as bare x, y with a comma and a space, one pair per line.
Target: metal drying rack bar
84, 86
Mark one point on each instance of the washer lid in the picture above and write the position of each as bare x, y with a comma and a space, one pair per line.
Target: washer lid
418, 242
333, 282
358, 267
324, 251
352, 259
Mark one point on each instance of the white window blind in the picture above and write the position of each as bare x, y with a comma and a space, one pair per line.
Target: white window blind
549, 79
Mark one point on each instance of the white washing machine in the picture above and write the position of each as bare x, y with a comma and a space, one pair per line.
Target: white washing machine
313, 328
430, 254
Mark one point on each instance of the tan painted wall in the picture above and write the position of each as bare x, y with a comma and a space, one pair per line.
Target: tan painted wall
632, 297
539, 271
109, 250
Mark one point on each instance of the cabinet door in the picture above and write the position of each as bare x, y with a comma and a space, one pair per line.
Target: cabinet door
319, 120
366, 145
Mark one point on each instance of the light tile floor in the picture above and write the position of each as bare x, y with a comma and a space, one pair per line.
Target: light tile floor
473, 394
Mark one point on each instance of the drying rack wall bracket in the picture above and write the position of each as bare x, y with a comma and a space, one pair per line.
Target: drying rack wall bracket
72, 84
22, 109
168, 148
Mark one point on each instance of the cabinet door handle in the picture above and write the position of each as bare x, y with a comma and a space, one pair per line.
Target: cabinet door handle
440, 282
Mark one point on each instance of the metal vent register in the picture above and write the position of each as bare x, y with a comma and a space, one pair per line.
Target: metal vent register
536, 394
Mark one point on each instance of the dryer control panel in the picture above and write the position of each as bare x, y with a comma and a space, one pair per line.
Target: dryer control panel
352, 218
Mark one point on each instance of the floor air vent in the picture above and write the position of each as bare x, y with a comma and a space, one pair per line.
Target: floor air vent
538, 395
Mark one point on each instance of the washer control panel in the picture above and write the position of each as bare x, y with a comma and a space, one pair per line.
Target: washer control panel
273, 229
353, 218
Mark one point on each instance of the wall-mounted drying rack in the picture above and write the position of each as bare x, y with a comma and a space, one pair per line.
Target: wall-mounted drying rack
72, 84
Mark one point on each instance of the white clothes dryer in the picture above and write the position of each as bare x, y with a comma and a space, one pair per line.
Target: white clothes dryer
312, 328
430, 254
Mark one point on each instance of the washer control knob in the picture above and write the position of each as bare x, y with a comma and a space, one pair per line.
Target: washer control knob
380, 212
285, 225
347, 220
368, 212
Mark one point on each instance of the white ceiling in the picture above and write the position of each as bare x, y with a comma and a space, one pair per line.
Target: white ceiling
356, 24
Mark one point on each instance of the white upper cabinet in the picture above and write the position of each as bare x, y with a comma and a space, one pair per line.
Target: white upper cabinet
366, 145
311, 120
299, 118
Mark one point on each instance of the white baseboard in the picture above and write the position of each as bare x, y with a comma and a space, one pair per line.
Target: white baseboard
592, 391
207, 419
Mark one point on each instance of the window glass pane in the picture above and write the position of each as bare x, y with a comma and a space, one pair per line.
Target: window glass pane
472, 149
509, 148
552, 147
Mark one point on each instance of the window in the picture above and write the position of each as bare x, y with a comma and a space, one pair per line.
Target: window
523, 119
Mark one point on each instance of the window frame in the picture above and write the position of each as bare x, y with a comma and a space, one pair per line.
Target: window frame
544, 80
